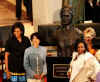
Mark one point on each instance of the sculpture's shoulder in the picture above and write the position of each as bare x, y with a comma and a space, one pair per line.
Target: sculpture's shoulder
78, 30
59, 31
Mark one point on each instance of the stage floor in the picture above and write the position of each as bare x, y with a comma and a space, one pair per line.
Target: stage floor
8, 13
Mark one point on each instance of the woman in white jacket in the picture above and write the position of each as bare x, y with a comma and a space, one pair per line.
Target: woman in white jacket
84, 66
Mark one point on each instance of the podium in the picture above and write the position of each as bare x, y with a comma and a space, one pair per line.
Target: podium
57, 68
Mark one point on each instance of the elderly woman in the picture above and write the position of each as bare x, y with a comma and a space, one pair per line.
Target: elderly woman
89, 35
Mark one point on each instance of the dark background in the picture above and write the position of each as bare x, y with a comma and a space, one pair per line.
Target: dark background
5, 33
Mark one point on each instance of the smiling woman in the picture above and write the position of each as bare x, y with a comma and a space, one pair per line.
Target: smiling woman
84, 67
37, 70
14, 53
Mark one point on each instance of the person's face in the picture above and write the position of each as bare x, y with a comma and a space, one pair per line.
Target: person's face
81, 48
87, 39
17, 32
66, 16
35, 41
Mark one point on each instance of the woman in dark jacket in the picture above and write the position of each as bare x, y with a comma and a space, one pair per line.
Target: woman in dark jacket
14, 53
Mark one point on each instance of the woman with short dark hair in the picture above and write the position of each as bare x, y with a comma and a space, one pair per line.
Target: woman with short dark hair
35, 60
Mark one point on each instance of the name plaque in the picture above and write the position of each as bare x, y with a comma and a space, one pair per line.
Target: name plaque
60, 70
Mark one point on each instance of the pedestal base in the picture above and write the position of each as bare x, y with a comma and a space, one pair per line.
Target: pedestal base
56, 69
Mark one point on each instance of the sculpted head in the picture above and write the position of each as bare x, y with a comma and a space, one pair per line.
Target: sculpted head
66, 15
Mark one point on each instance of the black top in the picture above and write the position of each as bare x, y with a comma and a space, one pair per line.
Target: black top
16, 50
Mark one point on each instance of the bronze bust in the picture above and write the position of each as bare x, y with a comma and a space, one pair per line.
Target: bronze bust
67, 34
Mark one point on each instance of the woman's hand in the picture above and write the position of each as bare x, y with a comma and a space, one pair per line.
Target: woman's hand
37, 76
68, 74
8, 74
42, 75
6, 64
